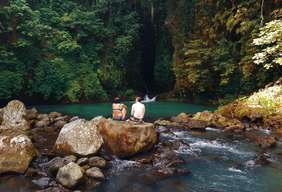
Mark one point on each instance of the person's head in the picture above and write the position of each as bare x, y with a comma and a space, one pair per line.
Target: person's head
138, 99
116, 100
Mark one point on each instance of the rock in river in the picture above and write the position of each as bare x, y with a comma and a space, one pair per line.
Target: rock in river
69, 175
266, 141
79, 137
16, 152
14, 116
97, 162
56, 163
95, 173
125, 139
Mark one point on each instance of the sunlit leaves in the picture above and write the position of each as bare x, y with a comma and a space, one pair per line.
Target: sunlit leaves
269, 42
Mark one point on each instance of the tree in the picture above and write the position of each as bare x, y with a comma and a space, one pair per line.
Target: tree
269, 43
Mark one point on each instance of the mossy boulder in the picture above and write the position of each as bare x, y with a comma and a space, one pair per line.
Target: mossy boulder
240, 110
263, 107
219, 121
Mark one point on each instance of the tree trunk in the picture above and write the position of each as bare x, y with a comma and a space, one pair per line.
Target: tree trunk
14, 29
152, 12
261, 13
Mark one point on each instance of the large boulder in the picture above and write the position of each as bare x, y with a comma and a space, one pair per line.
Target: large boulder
16, 152
70, 175
125, 139
14, 116
79, 137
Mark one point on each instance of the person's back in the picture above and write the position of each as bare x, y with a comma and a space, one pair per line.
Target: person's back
138, 110
119, 110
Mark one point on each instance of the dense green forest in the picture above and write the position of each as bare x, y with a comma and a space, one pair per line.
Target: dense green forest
85, 51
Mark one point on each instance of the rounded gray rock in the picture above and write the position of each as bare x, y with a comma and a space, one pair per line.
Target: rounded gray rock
69, 175
97, 162
95, 173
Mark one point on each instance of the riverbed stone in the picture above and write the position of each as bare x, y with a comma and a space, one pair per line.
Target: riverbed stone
70, 158
54, 189
69, 175
42, 182
74, 118
59, 124
53, 166
95, 173
31, 113
45, 122
273, 121
54, 115
161, 122
183, 123
56, 163
79, 137
42, 116
16, 152
14, 116
82, 161
125, 139
266, 141
97, 162
181, 118
196, 124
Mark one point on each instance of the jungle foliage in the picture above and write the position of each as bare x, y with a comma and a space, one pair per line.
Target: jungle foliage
231, 48
65, 50
74, 51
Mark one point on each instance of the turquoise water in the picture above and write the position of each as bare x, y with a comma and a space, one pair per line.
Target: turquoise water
153, 110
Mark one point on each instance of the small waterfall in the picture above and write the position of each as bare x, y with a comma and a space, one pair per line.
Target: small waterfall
147, 99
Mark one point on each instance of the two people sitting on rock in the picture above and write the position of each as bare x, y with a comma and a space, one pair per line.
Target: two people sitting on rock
120, 110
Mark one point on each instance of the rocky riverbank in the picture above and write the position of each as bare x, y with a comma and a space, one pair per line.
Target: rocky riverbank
63, 153
261, 112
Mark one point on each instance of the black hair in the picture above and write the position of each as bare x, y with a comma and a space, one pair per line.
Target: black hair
138, 98
116, 100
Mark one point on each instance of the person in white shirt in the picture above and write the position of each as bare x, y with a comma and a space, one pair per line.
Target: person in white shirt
137, 110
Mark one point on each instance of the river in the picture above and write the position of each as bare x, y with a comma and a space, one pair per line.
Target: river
224, 163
